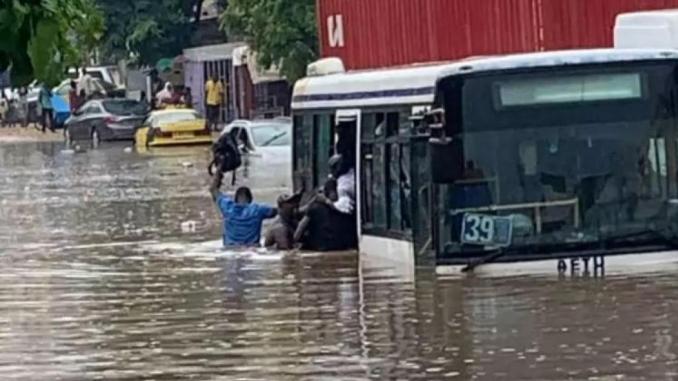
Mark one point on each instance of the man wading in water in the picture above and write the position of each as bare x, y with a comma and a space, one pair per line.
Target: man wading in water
281, 234
242, 217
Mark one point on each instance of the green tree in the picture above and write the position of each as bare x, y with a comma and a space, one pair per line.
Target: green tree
282, 32
86, 33
41, 38
148, 30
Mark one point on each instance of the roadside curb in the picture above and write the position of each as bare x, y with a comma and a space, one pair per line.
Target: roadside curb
28, 134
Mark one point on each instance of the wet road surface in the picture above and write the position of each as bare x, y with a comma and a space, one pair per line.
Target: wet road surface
112, 270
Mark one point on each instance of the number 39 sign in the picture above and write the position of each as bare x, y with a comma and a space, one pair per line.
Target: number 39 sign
484, 230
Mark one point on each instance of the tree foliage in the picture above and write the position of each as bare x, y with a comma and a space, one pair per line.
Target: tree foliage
41, 38
148, 30
282, 32
87, 31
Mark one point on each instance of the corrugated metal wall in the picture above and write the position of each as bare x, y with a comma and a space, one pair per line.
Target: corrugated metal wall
197, 73
222, 70
379, 33
194, 78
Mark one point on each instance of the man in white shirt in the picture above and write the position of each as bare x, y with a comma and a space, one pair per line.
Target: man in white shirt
345, 178
346, 192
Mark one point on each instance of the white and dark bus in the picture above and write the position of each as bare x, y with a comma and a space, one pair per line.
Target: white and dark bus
561, 161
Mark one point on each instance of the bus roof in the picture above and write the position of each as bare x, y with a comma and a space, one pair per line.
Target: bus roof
560, 58
415, 84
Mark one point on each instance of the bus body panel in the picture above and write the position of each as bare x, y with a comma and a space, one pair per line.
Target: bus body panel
395, 89
380, 252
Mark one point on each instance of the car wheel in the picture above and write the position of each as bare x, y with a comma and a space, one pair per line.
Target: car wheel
96, 139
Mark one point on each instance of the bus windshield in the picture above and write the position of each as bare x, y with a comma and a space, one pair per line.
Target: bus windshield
564, 160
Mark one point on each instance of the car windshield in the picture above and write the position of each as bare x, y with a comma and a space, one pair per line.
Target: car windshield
125, 107
95, 74
561, 164
272, 135
174, 117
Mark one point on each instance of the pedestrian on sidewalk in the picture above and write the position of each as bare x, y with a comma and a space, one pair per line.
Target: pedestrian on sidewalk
22, 115
4, 110
214, 92
73, 101
45, 100
165, 97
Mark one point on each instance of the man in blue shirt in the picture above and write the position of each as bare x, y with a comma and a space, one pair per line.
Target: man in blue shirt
242, 217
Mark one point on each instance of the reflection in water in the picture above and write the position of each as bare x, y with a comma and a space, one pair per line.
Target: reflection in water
103, 280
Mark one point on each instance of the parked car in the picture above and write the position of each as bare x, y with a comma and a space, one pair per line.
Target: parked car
266, 145
105, 119
171, 127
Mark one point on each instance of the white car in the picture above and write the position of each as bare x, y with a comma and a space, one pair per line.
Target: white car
266, 145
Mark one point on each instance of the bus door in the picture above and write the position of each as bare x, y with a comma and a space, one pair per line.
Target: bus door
347, 129
420, 184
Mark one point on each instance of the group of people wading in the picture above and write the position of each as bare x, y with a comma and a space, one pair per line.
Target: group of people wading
326, 221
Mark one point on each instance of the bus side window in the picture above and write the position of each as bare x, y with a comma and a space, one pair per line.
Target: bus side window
373, 190
386, 178
323, 147
303, 127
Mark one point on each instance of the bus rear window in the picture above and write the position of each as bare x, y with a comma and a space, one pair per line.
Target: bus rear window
569, 89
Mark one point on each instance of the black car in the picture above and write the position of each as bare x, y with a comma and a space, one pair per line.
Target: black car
105, 119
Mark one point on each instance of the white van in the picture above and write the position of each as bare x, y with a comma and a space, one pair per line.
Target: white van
109, 74
647, 30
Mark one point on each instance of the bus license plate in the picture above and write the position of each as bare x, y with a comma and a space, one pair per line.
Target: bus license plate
484, 230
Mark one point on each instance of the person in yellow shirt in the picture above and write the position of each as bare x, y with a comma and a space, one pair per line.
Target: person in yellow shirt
214, 92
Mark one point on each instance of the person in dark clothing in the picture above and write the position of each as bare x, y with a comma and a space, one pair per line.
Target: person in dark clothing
188, 98
143, 99
281, 235
73, 101
323, 228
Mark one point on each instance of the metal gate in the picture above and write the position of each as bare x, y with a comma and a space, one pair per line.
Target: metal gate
222, 70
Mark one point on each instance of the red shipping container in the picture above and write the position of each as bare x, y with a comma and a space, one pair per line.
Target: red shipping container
379, 33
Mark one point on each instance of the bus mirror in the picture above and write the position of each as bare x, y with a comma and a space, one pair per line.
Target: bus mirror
447, 160
435, 119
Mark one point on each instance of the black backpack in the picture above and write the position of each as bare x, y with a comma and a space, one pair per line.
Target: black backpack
226, 156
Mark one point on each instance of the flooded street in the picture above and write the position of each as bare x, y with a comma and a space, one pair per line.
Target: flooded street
112, 270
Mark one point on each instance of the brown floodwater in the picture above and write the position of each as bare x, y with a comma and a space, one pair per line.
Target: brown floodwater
112, 270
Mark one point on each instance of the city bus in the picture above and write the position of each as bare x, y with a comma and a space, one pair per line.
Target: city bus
385, 108
561, 162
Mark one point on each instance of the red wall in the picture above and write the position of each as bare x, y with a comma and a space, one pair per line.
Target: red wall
381, 33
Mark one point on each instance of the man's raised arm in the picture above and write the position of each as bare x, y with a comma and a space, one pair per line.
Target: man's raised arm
215, 187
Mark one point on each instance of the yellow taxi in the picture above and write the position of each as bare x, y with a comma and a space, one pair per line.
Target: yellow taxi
171, 127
